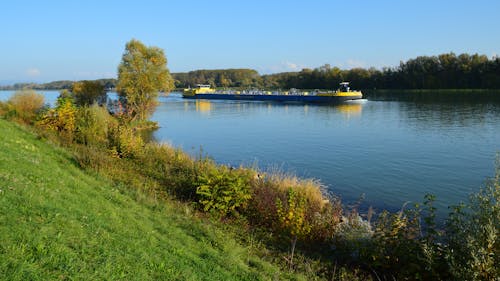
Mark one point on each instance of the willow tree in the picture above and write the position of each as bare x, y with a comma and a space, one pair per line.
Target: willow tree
142, 74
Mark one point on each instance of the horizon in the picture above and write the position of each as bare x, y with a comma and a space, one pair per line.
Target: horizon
85, 41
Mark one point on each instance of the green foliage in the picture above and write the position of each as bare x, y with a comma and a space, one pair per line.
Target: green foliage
218, 78
142, 73
93, 125
404, 247
173, 170
24, 106
445, 71
473, 232
125, 142
86, 93
223, 190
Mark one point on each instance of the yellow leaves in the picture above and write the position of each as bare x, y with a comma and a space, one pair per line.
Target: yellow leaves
61, 119
292, 214
141, 75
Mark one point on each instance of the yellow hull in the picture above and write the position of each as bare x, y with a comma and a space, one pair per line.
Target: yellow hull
341, 94
195, 91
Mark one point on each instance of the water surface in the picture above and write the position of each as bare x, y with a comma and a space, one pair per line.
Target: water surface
389, 152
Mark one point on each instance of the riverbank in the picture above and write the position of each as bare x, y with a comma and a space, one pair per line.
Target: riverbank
274, 213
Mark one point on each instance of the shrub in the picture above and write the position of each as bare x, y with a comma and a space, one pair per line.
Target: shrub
62, 118
320, 213
292, 218
223, 190
174, 169
473, 234
403, 245
93, 125
25, 105
3, 108
125, 142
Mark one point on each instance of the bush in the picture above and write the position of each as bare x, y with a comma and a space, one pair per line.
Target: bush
404, 247
473, 234
24, 106
175, 170
3, 108
93, 125
125, 142
61, 119
320, 213
223, 190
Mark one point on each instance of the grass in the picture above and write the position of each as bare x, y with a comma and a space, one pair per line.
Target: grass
58, 222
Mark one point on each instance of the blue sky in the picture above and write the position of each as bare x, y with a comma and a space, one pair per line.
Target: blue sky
43, 41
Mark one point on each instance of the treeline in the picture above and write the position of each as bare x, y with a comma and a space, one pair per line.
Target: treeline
445, 71
58, 85
225, 78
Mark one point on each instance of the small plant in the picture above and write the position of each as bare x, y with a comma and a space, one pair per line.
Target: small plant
223, 190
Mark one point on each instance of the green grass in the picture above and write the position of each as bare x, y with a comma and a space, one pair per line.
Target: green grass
58, 222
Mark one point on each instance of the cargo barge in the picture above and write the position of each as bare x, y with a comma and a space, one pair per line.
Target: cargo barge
344, 93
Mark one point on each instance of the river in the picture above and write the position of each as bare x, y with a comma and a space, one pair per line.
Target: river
386, 152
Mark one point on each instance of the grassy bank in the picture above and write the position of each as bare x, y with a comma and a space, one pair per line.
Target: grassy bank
58, 222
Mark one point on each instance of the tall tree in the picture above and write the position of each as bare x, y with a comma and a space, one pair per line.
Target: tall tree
142, 74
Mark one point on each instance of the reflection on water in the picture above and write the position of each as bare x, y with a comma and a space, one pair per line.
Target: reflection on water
347, 110
352, 109
447, 115
203, 106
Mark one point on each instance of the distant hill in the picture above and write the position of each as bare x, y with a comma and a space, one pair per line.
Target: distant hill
57, 85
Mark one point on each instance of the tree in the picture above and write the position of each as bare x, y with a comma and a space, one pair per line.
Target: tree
142, 74
87, 93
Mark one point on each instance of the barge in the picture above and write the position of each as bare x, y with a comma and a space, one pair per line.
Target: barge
344, 93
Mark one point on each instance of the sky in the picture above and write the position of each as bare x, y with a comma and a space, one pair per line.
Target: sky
43, 41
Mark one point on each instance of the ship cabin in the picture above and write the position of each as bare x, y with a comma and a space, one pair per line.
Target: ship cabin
344, 87
202, 86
